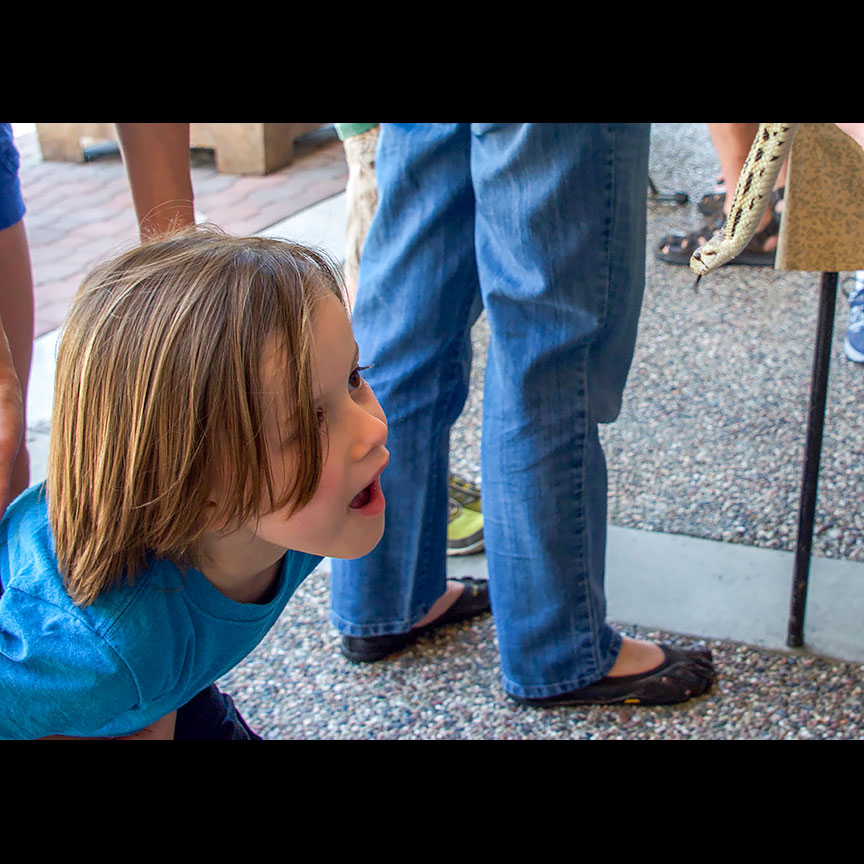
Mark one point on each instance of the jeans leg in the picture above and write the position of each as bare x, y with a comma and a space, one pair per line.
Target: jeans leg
416, 300
560, 234
212, 716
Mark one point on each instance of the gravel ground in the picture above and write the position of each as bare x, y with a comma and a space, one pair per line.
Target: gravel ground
296, 685
709, 443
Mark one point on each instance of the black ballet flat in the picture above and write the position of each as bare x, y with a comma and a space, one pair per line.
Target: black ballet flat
684, 674
473, 601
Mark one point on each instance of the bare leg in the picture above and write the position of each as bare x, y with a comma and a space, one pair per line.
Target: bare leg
732, 141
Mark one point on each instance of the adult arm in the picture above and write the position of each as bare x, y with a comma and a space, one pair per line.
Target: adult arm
855, 131
11, 418
157, 164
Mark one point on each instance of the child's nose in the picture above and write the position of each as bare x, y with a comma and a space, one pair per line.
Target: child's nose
371, 429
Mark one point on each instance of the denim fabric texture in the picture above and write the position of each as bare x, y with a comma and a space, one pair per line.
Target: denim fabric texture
543, 226
212, 716
11, 202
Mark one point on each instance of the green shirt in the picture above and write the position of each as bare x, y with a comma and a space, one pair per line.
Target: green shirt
349, 130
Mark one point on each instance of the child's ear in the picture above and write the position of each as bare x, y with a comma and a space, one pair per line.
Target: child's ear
212, 507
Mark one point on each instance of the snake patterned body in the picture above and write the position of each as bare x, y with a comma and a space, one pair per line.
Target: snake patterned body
752, 194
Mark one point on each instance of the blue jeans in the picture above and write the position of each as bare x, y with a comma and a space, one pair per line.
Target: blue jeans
543, 225
212, 716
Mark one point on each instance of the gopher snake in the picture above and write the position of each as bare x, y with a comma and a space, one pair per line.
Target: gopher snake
752, 194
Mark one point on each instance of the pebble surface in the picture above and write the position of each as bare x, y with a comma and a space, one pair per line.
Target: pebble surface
709, 443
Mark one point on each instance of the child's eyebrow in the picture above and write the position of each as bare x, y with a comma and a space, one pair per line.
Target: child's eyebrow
355, 359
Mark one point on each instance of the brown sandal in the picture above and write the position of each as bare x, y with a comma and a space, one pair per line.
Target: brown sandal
677, 248
712, 203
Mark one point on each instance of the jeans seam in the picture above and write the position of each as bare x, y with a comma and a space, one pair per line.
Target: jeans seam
609, 232
448, 403
584, 556
602, 315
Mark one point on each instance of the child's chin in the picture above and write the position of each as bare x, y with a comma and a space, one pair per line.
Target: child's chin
363, 548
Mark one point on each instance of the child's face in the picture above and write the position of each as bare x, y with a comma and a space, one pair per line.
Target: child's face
345, 518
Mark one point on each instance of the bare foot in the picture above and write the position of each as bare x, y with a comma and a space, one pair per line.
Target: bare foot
442, 604
636, 657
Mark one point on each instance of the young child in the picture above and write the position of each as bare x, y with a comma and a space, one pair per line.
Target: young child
211, 440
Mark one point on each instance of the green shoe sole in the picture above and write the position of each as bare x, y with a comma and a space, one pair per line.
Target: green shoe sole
464, 530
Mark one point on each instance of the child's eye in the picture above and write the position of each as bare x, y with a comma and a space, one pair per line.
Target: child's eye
355, 381
321, 416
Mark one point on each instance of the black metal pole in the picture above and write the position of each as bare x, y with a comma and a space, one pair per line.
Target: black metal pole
812, 454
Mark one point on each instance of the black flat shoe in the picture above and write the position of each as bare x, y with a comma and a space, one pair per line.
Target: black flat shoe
683, 674
473, 601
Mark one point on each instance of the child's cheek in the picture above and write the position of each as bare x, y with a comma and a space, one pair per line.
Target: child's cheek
331, 489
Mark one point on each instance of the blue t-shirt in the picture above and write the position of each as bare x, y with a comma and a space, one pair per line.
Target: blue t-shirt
137, 653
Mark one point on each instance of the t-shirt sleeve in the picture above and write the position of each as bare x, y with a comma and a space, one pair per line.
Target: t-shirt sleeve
57, 675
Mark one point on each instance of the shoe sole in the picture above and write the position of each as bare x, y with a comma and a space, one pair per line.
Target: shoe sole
470, 549
375, 656
638, 689
851, 353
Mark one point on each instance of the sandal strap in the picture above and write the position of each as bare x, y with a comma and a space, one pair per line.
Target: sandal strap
757, 241
712, 203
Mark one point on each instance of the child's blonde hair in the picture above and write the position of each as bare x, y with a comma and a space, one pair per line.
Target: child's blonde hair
157, 398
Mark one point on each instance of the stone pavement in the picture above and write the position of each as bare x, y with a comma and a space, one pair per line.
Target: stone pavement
658, 579
80, 213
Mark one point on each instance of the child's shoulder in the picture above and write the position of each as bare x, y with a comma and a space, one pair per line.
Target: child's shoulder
27, 562
28, 566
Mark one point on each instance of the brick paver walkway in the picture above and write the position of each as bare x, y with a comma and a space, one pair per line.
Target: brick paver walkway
79, 213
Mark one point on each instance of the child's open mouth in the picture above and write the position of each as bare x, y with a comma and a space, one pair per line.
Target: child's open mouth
369, 501
362, 498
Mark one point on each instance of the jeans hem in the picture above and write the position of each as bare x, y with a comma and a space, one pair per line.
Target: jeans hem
347, 628
542, 691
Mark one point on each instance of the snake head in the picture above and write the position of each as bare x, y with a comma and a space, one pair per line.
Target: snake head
708, 257
698, 264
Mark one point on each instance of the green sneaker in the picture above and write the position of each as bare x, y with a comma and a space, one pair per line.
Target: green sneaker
464, 530
465, 493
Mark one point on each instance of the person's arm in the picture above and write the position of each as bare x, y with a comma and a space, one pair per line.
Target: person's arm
855, 131
11, 418
157, 164
161, 730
